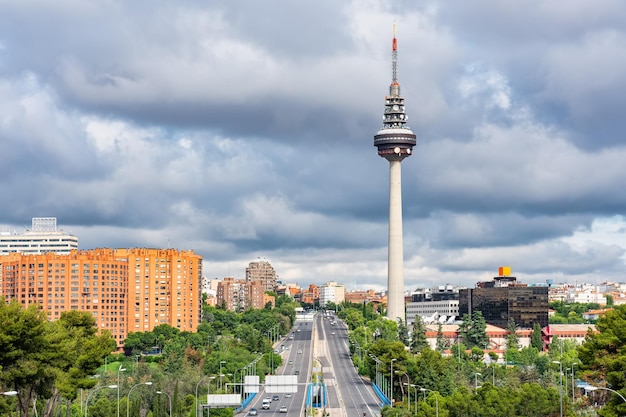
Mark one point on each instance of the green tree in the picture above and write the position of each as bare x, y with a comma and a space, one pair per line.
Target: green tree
536, 340
441, 341
478, 331
430, 369
80, 351
512, 339
603, 357
403, 332
473, 330
535, 401
418, 335
250, 337
25, 353
495, 402
385, 329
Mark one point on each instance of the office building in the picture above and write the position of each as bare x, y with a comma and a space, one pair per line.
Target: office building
331, 292
433, 305
42, 237
503, 299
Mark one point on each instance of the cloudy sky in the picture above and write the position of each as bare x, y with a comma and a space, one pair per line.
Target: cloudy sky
244, 129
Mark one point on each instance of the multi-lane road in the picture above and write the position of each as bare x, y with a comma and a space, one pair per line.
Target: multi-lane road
319, 345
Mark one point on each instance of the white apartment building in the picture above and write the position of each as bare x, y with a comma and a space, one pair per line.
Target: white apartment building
41, 238
442, 311
331, 292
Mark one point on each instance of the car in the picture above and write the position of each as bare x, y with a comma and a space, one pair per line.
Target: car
275, 398
290, 362
296, 372
299, 351
333, 333
266, 404
288, 395
283, 409
253, 412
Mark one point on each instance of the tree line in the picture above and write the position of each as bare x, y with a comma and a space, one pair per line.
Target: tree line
459, 379
64, 366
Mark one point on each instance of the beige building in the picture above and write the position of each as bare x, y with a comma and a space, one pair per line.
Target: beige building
332, 292
262, 271
239, 294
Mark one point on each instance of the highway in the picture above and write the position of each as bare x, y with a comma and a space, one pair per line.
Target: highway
348, 393
314, 344
297, 359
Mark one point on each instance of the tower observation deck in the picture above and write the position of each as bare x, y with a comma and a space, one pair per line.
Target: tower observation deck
395, 142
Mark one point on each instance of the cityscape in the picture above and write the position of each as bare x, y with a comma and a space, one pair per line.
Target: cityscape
227, 243
44, 266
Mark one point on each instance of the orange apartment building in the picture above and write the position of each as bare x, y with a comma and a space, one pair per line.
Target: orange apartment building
311, 295
126, 290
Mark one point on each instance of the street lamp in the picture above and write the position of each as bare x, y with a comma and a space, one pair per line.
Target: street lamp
221, 375
198, 385
560, 384
377, 361
476, 379
391, 382
409, 383
436, 399
415, 398
119, 370
90, 394
593, 388
128, 395
240, 378
169, 398
573, 377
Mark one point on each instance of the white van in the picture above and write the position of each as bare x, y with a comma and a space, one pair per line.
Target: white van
266, 404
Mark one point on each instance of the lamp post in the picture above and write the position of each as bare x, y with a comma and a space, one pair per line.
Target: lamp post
128, 395
415, 397
240, 377
119, 371
198, 385
475, 380
391, 382
573, 377
560, 384
408, 378
593, 388
221, 375
436, 399
377, 376
89, 395
169, 398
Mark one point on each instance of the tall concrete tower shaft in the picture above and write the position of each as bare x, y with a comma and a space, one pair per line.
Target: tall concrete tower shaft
395, 142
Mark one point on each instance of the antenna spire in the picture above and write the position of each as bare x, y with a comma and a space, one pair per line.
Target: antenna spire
394, 89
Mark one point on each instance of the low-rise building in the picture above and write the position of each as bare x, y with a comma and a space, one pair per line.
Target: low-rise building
41, 238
